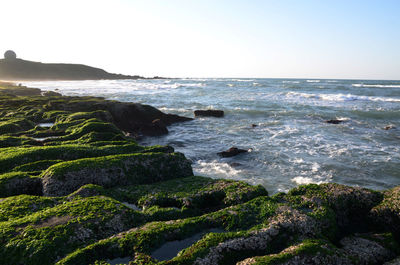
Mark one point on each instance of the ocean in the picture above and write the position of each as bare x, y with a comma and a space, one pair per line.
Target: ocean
282, 122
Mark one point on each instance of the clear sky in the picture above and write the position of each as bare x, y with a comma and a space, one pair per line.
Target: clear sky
210, 38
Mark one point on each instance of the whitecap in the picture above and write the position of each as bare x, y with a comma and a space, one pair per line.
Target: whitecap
376, 85
313, 81
299, 180
341, 97
215, 167
302, 180
243, 80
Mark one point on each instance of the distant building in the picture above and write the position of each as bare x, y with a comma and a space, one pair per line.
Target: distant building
10, 55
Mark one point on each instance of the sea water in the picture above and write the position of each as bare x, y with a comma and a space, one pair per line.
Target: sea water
280, 121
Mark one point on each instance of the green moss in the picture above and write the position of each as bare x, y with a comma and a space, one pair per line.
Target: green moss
152, 235
115, 170
37, 165
309, 247
53, 115
15, 183
99, 114
15, 125
11, 141
12, 157
41, 237
24, 205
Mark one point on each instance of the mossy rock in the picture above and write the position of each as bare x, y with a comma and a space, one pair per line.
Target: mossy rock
51, 116
12, 141
15, 183
118, 170
386, 215
48, 234
37, 165
16, 207
351, 205
310, 251
17, 156
15, 125
102, 115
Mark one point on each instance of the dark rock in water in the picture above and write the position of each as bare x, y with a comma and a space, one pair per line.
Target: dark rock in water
389, 127
51, 94
334, 121
156, 128
145, 119
132, 118
254, 125
209, 113
233, 151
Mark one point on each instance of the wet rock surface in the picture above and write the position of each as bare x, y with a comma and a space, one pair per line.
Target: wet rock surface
334, 121
209, 113
91, 195
233, 151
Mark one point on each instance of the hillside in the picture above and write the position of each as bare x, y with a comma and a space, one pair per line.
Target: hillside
18, 69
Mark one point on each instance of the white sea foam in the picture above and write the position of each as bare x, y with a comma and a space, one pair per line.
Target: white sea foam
216, 168
341, 97
243, 80
290, 82
376, 85
168, 110
313, 81
302, 180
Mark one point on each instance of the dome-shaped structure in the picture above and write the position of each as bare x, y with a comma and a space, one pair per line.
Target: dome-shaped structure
10, 55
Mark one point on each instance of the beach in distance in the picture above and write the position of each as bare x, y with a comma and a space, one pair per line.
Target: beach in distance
282, 122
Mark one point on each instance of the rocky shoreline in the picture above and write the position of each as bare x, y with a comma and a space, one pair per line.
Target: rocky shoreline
76, 188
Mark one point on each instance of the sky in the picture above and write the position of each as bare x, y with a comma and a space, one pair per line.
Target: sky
348, 39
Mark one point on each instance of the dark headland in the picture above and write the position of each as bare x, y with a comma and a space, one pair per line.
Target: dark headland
12, 68
76, 188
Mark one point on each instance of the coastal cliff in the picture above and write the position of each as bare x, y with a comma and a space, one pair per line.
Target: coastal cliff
76, 188
12, 68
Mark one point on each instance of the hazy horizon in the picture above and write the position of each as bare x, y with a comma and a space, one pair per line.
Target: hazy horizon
356, 40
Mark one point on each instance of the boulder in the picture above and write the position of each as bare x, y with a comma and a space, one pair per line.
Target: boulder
389, 127
351, 205
335, 121
233, 151
118, 170
144, 119
16, 183
366, 251
156, 128
209, 113
386, 215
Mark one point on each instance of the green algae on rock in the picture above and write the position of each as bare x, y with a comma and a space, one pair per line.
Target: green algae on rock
118, 170
114, 200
